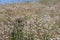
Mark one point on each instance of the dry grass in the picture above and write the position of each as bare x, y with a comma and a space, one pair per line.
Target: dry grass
30, 21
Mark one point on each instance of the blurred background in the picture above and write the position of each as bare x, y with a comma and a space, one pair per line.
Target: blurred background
14, 1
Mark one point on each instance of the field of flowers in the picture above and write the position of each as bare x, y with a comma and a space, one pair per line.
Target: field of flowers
30, 21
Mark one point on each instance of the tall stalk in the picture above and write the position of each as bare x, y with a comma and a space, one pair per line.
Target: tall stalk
17, 33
